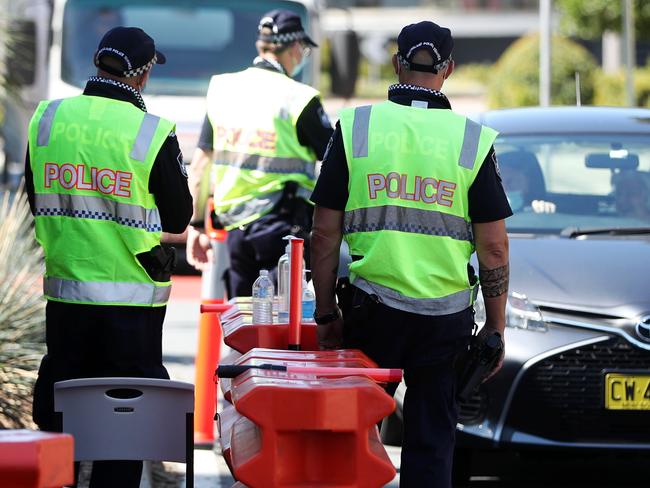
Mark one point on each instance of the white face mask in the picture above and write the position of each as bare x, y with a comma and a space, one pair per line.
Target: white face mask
516, 200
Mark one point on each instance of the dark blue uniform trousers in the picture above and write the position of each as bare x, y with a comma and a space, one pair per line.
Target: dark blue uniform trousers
425, 347
86, 341
259, 245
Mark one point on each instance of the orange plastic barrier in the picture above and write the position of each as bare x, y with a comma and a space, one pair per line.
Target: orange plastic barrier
345, 358
33, 459
242, 335
225, 420
224, 383
307, 432
205, 393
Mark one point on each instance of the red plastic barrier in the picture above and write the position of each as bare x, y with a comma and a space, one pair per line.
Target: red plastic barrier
33, 459
224, 383
308, 432
215, 307
225, 421
351, 358
240, 334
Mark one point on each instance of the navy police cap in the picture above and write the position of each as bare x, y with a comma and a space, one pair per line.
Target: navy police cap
427, 35
286, 27
132, 47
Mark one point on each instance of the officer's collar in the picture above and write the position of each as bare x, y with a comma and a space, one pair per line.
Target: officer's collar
109, 88
270, 64
406, 94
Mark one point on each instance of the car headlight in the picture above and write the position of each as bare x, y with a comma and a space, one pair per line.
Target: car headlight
520, 313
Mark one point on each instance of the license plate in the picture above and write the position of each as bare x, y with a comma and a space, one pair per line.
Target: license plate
627, 391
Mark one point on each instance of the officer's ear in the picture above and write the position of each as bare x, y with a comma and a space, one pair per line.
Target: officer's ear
142, 82
450, 69
396, 65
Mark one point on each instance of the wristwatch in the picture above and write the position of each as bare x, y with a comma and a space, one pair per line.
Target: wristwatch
327, 318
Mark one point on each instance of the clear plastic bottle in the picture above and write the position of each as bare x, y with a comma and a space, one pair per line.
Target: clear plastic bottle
284, 281
308, 299
284, 270
263, 292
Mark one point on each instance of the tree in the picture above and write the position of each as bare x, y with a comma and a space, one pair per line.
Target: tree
588, 19
515, 77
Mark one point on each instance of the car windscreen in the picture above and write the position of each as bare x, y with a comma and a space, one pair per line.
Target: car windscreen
591, 181
199, 38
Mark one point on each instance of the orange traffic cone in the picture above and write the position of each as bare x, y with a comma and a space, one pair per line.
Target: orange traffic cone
209, 339
205, 391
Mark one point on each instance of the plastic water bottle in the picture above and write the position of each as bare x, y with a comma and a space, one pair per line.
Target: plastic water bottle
284, 281
308, 299
263, 292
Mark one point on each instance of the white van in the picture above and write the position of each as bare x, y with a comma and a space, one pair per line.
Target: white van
199, 38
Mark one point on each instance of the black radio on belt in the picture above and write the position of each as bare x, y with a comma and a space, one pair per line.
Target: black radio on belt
481, 358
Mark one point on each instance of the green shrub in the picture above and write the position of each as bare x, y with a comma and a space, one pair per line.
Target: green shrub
515, 80
469, 79
22, 317
610, 89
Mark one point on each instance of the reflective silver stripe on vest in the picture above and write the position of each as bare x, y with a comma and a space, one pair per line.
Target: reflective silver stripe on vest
97, 208
145, 137
470, 144
405, 219
266, 164
45, 123
456, 302
106, 292
360, 128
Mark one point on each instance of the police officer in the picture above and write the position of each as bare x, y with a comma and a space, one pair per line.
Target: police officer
264, 131
104, 178
414, 189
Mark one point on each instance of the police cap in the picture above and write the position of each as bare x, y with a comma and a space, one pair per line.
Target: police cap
286, 27
425, 35
134, 49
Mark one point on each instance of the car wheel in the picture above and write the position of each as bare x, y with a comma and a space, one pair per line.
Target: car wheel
462, 467
391, 430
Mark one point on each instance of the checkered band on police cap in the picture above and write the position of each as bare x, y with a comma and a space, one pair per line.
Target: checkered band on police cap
285, 26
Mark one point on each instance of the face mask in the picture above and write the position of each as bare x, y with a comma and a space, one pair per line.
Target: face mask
299, 67
516, 200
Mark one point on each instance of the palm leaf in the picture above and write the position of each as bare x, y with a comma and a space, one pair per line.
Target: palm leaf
22, 316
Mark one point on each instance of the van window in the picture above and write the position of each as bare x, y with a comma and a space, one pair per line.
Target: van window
199, 38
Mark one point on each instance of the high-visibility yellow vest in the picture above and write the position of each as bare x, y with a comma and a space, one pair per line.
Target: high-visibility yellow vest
253, 115
91, 158
407, 212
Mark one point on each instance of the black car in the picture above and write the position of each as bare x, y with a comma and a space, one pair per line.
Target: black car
577, 367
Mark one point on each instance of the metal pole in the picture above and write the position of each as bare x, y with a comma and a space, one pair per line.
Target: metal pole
545, 53
630, 52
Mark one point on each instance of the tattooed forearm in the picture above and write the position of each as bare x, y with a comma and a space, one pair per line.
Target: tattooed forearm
494, 282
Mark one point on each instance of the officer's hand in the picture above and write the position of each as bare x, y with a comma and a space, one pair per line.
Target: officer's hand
330, 336
198, 249
483, 334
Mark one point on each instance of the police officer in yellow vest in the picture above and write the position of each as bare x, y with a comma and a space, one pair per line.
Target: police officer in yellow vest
414, 189
104, 179
264, 131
